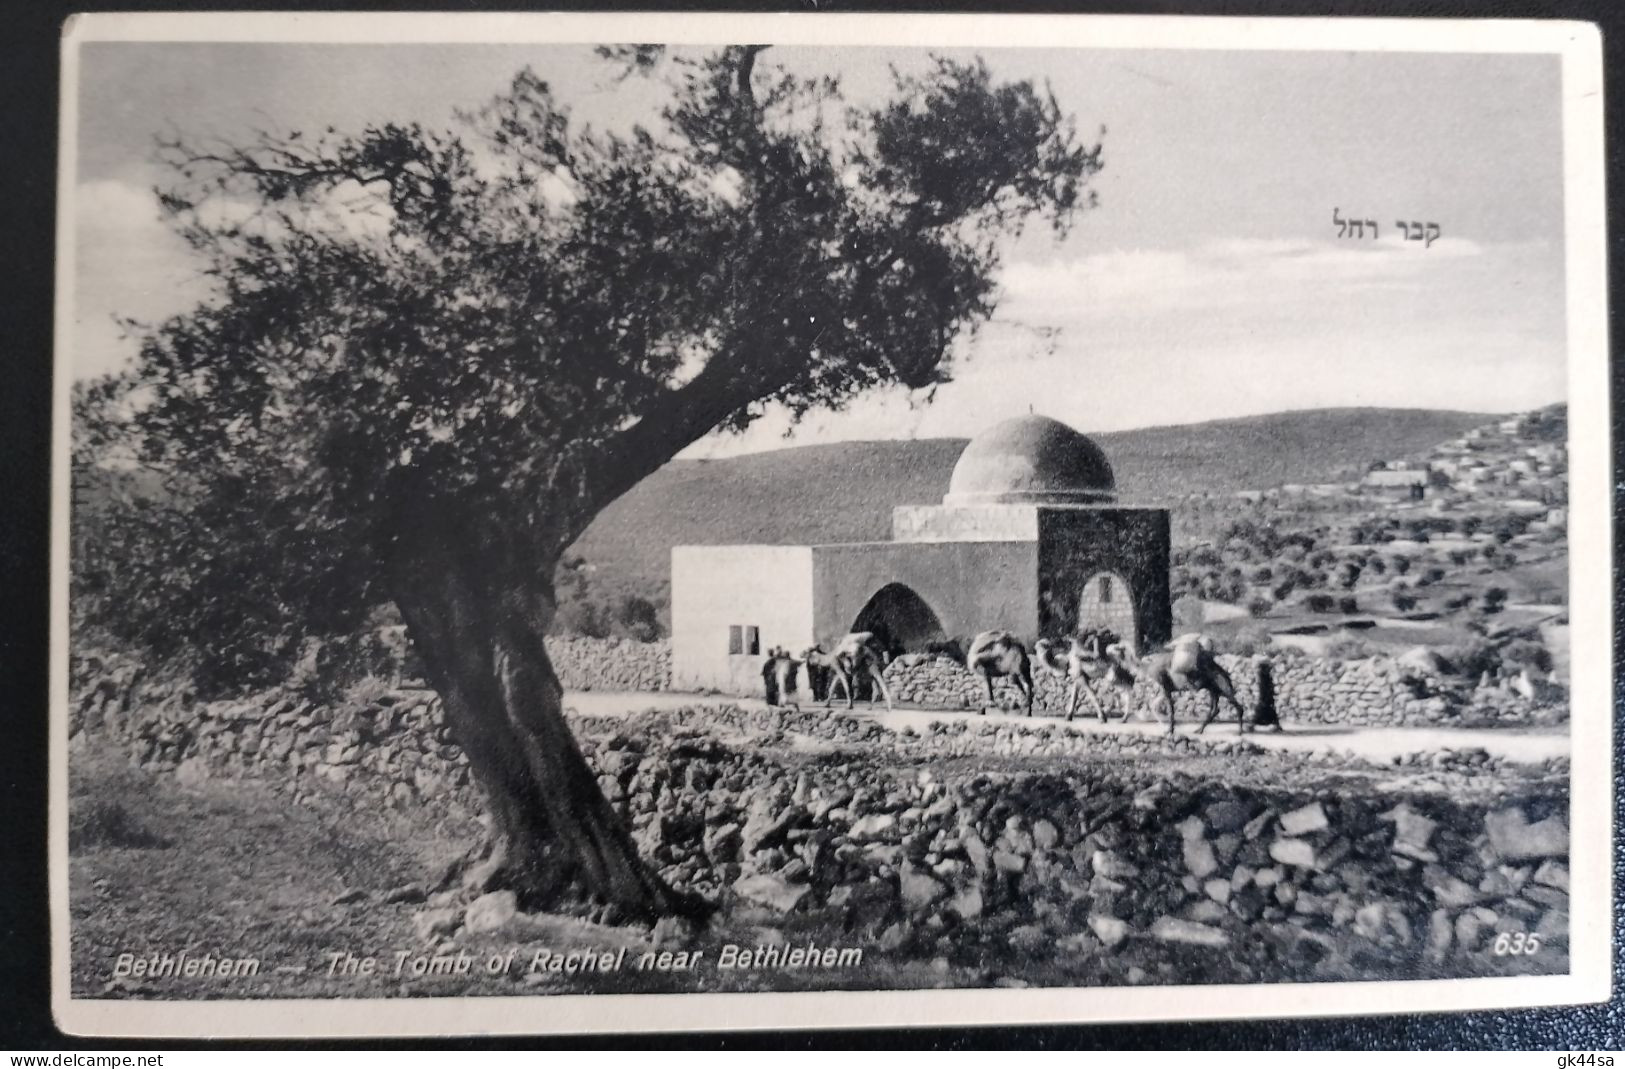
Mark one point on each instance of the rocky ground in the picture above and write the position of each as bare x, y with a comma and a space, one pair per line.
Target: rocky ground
959, 853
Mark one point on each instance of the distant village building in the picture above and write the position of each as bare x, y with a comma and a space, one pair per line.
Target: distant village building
1027, 540
1409, 482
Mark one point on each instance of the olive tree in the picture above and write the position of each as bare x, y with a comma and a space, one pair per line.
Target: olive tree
430, 358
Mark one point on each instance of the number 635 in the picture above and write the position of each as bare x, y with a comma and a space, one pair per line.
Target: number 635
1516, 943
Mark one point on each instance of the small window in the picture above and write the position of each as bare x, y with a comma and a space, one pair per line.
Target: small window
1105, 589
743, 638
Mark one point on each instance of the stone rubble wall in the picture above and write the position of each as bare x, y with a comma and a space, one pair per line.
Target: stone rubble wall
1375, 691
610, 663
1125, 872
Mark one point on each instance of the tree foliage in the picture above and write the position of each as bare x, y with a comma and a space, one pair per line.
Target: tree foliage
496, 329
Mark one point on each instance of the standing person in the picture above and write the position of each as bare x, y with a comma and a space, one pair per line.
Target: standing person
785, 675
770, 676
1264, 712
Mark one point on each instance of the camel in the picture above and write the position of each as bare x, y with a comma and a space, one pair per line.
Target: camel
999, 653
856, 656
1187, 664
1083, 667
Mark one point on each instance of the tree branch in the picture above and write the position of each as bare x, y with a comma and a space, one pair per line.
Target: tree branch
747, 66
681, 418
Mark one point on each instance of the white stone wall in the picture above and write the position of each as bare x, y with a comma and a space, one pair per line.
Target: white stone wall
716, 587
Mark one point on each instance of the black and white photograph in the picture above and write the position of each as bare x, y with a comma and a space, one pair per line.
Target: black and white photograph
590, 523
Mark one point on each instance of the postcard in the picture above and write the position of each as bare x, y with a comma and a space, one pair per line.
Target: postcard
591, 523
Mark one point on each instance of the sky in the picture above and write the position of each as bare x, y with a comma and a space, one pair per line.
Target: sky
1210, 282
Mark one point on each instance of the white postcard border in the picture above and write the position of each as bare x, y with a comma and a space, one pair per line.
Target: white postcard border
1590, 530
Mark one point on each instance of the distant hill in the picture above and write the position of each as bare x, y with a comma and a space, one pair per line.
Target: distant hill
845, 492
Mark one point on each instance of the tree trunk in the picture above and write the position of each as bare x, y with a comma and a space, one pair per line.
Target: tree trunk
557, 840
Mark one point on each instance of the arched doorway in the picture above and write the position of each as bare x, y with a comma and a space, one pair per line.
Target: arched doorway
901, 620
1106, 603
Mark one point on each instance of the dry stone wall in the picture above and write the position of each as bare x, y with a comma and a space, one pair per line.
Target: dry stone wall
610, 663
1117, 870
1376, 691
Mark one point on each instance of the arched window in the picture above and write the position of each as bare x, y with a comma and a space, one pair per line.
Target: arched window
1107, 604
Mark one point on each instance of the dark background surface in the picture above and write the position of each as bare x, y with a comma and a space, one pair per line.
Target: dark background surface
28, 129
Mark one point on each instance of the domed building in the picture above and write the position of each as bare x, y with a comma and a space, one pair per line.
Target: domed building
1031, 460
1029, 538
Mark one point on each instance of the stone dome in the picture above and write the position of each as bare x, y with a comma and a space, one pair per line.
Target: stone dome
1031, 460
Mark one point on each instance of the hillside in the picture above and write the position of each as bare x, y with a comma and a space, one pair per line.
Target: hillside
845, 491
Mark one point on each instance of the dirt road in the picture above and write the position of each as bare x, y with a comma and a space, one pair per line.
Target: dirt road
1528, 746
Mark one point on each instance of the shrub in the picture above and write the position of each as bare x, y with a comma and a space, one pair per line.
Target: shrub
131, 583
1301, 539
104, 822
1509, 527
1472, 658
1180, 582
1347, 605
1527, 653
1319, 603
1205, 557
1259, 606
582, 617
1403, 601
1418, 531
639, 618
329, 667
1495, 599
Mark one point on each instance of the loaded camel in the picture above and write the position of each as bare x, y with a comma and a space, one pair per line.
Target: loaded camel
1187, 664
999, 653
1084, 667
858, 655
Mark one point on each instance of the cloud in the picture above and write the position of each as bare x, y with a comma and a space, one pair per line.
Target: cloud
1113, 339
1137, 337
1223, 274
127, 264
109, 206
